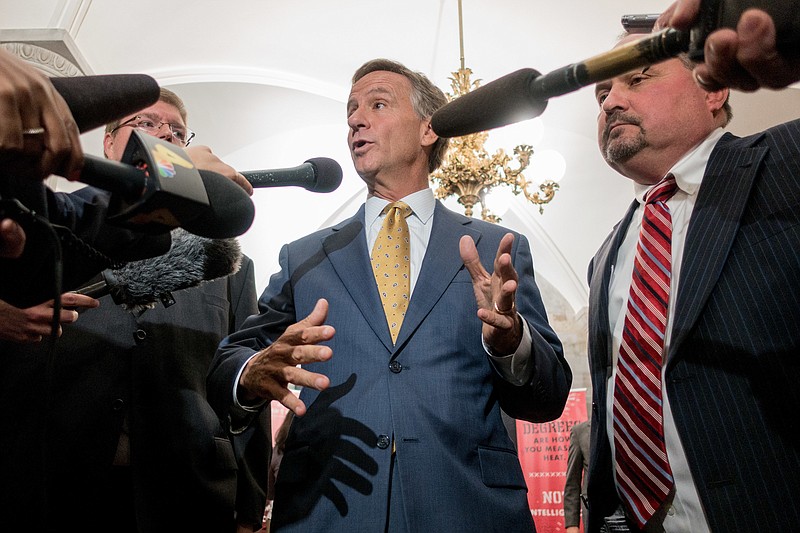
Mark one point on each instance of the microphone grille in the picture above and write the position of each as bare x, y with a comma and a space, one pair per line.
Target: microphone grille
327, 174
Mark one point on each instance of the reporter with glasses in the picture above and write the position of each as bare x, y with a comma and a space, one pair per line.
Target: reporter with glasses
130, 443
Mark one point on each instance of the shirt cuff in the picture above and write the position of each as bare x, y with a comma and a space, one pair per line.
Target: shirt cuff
514, 368
254, 408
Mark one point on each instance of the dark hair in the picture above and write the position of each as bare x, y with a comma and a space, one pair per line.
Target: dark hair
425, 98
688, 63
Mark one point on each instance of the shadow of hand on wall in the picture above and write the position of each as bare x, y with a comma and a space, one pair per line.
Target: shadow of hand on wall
322, 448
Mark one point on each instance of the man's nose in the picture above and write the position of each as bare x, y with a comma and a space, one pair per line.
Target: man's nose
615, 99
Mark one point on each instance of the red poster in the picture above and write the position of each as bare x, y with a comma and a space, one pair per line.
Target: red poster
543, 455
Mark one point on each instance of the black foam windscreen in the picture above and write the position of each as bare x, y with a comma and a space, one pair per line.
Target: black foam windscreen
328, 174
230, 213
97, 100
501, 102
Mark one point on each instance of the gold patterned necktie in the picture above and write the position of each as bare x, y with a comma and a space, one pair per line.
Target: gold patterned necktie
391, 264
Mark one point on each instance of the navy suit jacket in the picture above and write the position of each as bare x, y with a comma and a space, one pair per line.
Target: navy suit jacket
434, 394
733, 366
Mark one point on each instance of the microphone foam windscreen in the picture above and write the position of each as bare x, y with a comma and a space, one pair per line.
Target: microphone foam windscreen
505, 101
230, 212
97, 100
190, 261
328, 174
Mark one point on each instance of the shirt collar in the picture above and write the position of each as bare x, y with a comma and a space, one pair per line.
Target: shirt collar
689, 169
422, 203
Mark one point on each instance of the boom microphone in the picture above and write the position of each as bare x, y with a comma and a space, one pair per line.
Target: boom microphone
97, 100
319, 174
190, 261
523, 94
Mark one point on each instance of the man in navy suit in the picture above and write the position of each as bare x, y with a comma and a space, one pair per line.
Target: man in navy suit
402, 436
730, 365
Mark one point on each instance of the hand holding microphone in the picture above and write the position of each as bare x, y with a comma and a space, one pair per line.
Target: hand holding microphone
204, 158
760, 48
38, 135
764, 52
156, 187
190, 261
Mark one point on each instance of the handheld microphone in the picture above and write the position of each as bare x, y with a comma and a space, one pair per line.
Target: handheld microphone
156, 188
523, 94
190, 261
319, 174
95, 101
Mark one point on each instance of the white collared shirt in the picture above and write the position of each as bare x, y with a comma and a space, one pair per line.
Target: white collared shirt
514, 367
686, 512
420, 221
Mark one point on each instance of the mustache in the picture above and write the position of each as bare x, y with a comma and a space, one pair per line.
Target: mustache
619, 117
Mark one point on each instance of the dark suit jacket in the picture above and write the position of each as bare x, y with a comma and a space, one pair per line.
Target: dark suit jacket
434, 394
733, 366
59, 439
87, 244
577, 473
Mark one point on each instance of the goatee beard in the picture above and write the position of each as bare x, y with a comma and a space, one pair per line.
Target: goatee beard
621, 149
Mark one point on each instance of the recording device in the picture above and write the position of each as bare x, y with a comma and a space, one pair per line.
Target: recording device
95, 101
190, 261
319, 174
151, 190
156, 188
523, 94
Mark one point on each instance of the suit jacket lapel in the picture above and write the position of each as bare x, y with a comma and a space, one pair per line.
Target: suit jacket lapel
721, 201
346, 249
438, 268
603, 266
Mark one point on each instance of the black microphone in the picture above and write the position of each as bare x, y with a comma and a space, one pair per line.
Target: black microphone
97, 100
319, 174
190, 261
523, 94
156, 188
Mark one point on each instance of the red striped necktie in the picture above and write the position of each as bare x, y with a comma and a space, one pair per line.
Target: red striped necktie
644, 477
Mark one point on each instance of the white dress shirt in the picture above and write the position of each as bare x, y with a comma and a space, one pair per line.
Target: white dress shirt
686, 512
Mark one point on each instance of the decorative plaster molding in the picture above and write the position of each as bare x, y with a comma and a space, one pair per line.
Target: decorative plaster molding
49, 62
50, 49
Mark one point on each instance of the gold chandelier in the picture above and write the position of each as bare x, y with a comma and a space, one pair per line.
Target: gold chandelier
469, 172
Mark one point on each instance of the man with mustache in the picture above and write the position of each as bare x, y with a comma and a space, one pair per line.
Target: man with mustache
694, 307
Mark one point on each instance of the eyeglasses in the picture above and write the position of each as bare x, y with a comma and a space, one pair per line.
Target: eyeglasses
153, 126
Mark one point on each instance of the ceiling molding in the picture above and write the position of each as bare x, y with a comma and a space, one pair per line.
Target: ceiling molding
51, 49
257, 76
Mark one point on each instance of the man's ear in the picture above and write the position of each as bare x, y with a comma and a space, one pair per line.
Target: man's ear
428, 135
108, 144
716, 99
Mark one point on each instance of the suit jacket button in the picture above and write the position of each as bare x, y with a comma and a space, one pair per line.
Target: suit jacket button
140, 335
395, 367
384, 441
117, 404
